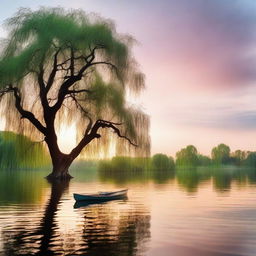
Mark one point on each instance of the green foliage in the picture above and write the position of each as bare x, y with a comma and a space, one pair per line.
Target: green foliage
124, 164
158, 162
17, 151
204, 160
123, 170
221, 154
190, 179
250, 160
162, 162
240, 156
187, 157
37, 39
34, 37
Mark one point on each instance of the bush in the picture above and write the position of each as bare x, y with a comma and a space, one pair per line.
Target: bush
162, 162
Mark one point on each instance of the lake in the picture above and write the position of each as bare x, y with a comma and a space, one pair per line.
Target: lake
190, 212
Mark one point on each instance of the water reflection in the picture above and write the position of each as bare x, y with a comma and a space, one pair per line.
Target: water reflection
21, 186
27, 237
191, 179
55, 228
117, 233
123, 177
188, 179
165, 212
48, 225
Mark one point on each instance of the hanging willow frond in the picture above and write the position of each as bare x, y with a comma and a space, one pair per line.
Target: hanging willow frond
69, 67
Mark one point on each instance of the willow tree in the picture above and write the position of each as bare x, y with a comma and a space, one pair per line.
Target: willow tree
65, 66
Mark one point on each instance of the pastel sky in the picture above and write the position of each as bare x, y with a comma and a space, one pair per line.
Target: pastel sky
199, 58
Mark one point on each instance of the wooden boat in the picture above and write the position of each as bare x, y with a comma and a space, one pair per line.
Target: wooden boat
101, 196
88, 203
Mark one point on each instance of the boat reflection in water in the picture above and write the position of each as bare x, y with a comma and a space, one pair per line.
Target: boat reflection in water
192, 212
113, 228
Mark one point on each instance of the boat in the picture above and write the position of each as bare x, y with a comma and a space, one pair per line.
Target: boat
101, 196
88, 203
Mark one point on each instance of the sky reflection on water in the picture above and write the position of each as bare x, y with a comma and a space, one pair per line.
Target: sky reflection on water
192, 212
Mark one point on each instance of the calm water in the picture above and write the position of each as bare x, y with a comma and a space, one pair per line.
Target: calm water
195, 212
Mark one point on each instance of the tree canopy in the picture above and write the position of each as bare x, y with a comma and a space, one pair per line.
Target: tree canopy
66, 66
162, 162
187, 156
221, 154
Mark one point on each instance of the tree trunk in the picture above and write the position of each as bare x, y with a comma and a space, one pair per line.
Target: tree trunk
61, 163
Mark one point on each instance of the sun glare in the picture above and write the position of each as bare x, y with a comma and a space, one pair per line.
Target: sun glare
2, 124
67, 137
67, 141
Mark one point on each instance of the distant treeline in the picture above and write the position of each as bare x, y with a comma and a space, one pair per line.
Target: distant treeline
157, 162
220, 155
20, 152
185, 158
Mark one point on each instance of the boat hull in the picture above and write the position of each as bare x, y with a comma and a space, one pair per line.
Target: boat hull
101, 197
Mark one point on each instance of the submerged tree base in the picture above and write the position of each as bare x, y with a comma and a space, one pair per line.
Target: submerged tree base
59, 176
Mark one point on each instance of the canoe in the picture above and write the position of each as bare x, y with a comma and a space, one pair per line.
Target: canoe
101, 196
88, 203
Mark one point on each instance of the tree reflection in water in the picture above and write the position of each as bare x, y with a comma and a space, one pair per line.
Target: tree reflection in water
189, 179
48, 226
103, 229
222, 178
33, 236
118, 228
107, 231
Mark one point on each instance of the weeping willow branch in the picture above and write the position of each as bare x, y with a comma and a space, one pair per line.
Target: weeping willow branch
24, 113
95, 135
67, 60
86, 113
53, 72
77, 91
72, 79
105, 63
108, 124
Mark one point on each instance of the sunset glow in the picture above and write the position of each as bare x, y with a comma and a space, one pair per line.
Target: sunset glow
199, 61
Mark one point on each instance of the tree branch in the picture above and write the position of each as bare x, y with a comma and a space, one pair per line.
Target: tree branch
72, 79
105, 63
94, 134
43, 93
63, 92
77, 91
108, 124
85, 112
81, 57
24, 113
72, 62
53, 72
